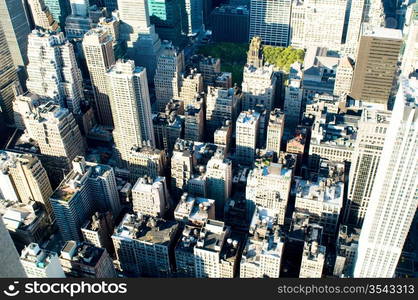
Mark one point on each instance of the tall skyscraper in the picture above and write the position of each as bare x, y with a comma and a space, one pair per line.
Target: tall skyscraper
8, 79
131, 108
59, 9
393, 200
410, 30
9, 257
344, 76
167, 79
142, 41
313, 255
41, 15
58, 136
376, 65
53, 71
270, 20
14, 19
99, 54
367, 154
194, 16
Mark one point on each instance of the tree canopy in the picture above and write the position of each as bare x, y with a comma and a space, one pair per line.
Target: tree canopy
282, 57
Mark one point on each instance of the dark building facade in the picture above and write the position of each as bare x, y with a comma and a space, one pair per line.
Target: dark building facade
230, 24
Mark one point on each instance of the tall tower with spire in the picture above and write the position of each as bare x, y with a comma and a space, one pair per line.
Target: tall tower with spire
255, 53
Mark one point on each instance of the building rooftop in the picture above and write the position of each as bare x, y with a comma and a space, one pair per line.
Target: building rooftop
196, 210
82, 253
146, 229
39, 257
388, 33
20, 216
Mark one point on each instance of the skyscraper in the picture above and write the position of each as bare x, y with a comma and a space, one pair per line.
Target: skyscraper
131, 108
27, 177
41, 15
99, 54
167, 79
14, 19
53, 71
344, 76
194, 16
270, 20
371, 135
142, 41
8, 79
376, 65
59, 9
393, 200
56, 132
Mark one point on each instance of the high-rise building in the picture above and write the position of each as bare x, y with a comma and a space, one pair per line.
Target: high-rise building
53, 71
86, 261
142, 41
393, 200
367, 153
270, 20
313, 25
40, 263
184, 251
209, 67
41, 15
259, 87
268, 186
8, 78
59, 9
167, 79
275, 130
246, 131
344, 76
356, 19
56, 132
376, 65
144, 245
131, 108
230, 24
221, 105
151, 197
9, 257
222, 136
293, 97
26, 177
168, 18
194, 17
87, 188
219, 180
99, 54
168, 126
410, 31
182, 164
14, 19
191, 86
147, 161
194, 120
